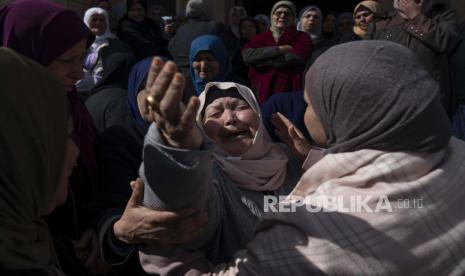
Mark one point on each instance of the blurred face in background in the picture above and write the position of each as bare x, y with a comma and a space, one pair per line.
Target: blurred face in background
248, 29
262, 26
68, 68
310, 21
206, 66
237, 15
136, 12
282, 17
363, 17
345, 26
98, 24
329, 25
155, 15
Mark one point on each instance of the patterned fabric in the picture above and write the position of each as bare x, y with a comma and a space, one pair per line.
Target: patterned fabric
425, 238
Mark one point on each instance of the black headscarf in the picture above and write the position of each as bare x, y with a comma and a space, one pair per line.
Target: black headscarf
376, 96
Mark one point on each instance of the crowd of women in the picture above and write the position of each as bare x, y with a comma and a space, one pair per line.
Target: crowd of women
149, 145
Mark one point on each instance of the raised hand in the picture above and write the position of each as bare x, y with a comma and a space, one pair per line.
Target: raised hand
411, 8
291, 136
164, 92
141, 225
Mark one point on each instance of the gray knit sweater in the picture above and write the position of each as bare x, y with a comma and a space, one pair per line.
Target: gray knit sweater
176, 178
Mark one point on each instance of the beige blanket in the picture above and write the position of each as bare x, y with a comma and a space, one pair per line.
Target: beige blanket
399, 214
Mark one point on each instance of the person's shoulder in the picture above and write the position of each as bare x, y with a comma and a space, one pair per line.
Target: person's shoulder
387, 22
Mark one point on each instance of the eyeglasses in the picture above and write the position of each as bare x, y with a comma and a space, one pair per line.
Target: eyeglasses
283, 13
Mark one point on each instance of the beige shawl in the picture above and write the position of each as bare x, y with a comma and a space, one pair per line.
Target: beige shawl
33, 131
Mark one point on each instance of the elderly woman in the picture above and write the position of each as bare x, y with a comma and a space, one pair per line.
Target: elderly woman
277, 57
200, 22
309, 21
105, 45
386, 197
37, 156
64, 39
224, 166
208, 59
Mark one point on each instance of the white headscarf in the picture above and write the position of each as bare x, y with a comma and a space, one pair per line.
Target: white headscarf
100, 39
315, 33
263, 167
291, 7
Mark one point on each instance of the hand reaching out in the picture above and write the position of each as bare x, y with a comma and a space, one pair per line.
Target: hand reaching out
164, 92
141, 225
291, 136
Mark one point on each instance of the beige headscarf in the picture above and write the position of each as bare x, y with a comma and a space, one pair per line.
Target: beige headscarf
33, 131
374, 7
278, 31
263, 167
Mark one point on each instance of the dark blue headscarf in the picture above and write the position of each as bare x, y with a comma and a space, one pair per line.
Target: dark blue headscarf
215, 46
137, 76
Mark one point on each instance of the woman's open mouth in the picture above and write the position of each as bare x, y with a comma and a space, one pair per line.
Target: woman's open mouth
238, 134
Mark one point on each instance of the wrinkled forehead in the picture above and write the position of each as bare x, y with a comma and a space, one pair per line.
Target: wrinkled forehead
207, 54
282, 9
312, 11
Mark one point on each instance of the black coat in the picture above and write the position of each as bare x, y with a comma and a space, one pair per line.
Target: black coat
430, 36
144, 38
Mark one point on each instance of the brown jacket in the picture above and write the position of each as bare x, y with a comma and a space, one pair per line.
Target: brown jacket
430, 36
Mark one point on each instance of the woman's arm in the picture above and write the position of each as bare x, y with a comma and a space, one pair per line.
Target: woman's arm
177, 159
